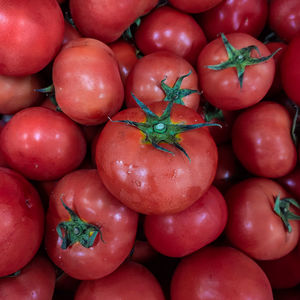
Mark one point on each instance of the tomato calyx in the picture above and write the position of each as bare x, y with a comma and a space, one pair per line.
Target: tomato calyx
175, 93
77, 230
282, 209
212, 113
158, 129
50, 92
240, 59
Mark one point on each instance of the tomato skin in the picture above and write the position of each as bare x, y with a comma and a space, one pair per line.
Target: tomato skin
70, 33
252, 225
291, 182
128, 282
219, 273
144, 80
106, 21
178, 235
290, 70
22, 221
229, 95
83, 192
262, 142
158, 31
36, 281
247, 16
194, 6
148, 180
32, 32
40, 151
87, 82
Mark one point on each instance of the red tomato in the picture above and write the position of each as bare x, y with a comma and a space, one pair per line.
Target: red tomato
70, 33
32, 32
96, 210
158, 31
235, 92
291, 182
22, 222
106, 21
194, 6
290, 70
284, 18
261, 140
131, 281
142, 252
36, 281
149, 180
42, 144
219, 273
87, 82
178, 235
144, 80
247, 16
253, 225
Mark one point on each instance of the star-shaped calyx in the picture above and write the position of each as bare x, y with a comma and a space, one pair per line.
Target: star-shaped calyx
240, 59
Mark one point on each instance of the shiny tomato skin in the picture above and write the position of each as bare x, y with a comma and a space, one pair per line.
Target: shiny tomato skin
149, 180
144, 80
32, 32
87, 82
22, 221
253, 226
219, 273
42, 144
130, 281
178, 235
262, 141
158, 31
84, 193
194, 6
229, 95
247, 16
36, 281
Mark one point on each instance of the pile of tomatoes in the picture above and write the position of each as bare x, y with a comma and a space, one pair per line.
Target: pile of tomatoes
149, 149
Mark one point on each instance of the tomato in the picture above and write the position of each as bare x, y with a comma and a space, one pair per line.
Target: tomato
129, 282
106, 21
284, 18
158, 31
291, 182
22, 222
145, 80
262, 141
178, 235
39, 150
219, 273
290, 69
32, 32
254, 226
143, 252
97, 232
159, 171
36, 281
235, 89
247, 16
87, 82
194, 6
70, 33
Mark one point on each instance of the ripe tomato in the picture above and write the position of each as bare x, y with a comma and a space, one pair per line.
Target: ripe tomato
178, 235
194, 6
70, 33
32, 32
131, 281
253, 225
145, 78
87, 82
36, 281
291, 182
261, 140
88, 232
158, 31
42, 144
236, 89
150, 172
22, 222
219, 273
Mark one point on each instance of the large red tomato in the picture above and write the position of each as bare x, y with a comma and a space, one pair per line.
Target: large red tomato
219, 273
159, 168
22, 222
32, 32
89, 233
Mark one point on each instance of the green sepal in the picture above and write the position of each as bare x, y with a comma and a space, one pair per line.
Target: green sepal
49, 91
